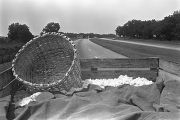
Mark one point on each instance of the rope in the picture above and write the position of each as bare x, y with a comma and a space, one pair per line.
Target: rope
7, 85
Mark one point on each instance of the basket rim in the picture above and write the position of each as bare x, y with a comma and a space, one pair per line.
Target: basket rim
53, 83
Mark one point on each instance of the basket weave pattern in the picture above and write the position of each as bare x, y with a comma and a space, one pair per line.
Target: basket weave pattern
48, 63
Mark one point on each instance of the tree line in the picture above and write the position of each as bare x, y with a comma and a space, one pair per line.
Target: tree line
166, 29
89, 35
21, 32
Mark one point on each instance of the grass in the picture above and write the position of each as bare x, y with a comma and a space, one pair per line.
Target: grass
165, 42
139, 51
8, 50
9, 47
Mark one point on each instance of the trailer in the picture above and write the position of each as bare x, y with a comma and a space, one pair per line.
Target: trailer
150, 68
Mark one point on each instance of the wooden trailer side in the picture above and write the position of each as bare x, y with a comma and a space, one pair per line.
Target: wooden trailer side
112, 68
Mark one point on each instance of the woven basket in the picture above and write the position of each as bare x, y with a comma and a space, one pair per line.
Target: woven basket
48, 63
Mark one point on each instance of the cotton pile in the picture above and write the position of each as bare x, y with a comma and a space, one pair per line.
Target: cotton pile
27, 100
122, 79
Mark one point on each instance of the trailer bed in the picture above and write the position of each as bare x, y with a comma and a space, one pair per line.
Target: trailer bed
153, 69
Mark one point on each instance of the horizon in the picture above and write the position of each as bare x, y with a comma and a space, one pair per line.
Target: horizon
82, 16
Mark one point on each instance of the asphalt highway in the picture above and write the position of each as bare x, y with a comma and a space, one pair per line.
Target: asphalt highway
88, 49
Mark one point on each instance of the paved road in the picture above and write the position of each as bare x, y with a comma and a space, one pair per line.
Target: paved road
158, 45
88, 49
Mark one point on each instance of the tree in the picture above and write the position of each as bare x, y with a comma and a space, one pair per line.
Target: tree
51, 27
119, 31
19, 32
166, 29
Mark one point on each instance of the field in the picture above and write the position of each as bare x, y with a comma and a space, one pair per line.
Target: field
8, 50
139, 51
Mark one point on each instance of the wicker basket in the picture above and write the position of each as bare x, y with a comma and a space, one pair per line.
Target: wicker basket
48, 63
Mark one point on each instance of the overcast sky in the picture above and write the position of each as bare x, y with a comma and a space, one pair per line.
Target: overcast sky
96, 16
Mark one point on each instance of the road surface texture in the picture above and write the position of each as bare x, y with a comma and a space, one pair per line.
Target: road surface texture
139, 50
88, 49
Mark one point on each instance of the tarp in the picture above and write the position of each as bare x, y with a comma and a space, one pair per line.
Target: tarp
112, 103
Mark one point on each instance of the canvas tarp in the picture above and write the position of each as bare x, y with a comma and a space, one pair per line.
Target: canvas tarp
112, 103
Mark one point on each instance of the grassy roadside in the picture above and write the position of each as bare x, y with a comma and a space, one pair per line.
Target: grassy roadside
153, 41
8, 50
139, 51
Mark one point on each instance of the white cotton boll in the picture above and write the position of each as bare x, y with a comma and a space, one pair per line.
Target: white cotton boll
35, 95
27, 100
122, 79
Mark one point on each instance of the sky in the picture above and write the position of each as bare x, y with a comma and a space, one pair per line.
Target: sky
81, 16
